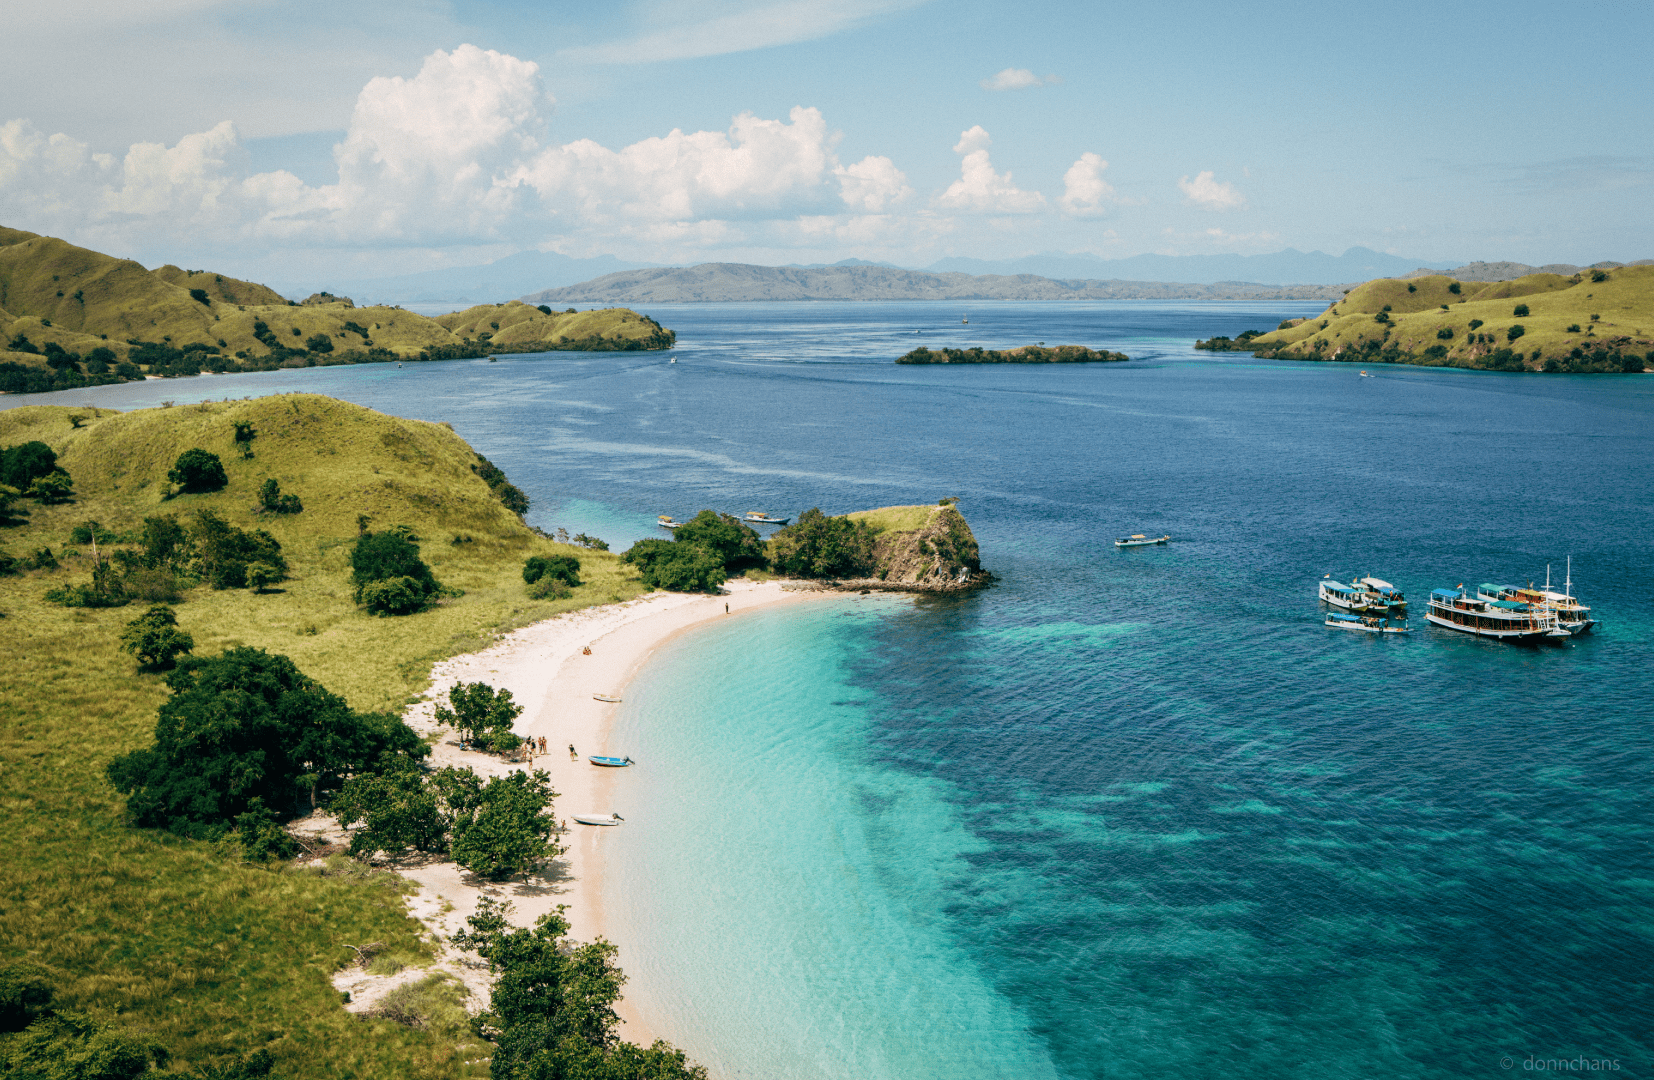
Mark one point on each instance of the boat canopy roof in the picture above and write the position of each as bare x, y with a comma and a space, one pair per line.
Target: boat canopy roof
1510, 605
1342, 618
1446, 594
1485, 587
1382, 586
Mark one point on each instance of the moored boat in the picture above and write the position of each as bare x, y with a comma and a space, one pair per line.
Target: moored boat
598, 819
758, 517
1140, 540
1351, 597
665, 521
610, 762
1371, 624
610, 698
1387, 594
1503, 620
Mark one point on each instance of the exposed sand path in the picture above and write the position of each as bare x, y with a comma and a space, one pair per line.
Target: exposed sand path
548, 673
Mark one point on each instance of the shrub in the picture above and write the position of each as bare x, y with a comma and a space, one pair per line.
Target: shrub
509, 494
1412, 288
1453, 287
226, 551
1521, 311
1599, 275
734, 543
1516, 330
51, 488
73, 1046
822, 546
544, 309
1474, 323
248, 725
676, 567
502, 828
25, 996
272, 501
1445, 333
197, 471
22, 465
318, 343
154, 638
563, 568
1382, 317
200, 297
390, 557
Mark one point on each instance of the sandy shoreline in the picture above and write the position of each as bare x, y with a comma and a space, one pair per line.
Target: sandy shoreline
548, 673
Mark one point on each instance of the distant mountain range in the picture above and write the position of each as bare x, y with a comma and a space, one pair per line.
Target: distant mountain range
493, 283
1289, 267
724, 282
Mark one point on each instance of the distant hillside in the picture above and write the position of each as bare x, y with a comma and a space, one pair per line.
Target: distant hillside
1510, 271
493, 283
716, 282
1594, 321
70, 316
1289, 267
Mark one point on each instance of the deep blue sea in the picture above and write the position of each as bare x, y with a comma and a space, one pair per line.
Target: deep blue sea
1126, 813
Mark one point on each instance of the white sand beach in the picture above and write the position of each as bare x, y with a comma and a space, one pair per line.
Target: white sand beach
548, 672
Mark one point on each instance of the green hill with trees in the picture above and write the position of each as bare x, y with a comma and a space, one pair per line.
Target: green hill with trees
70, 316
176, 941
1595, 321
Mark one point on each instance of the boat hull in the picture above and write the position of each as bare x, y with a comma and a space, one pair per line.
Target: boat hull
610, 762
596, 819
1497, 633
1141, 543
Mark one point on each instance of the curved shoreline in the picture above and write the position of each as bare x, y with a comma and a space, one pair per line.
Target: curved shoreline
548, 673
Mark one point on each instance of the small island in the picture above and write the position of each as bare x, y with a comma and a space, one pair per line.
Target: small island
1026, 354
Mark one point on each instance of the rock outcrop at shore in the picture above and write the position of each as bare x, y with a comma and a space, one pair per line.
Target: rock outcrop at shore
920, 549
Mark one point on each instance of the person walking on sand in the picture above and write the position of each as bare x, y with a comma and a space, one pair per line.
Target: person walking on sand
542, 744
572, 755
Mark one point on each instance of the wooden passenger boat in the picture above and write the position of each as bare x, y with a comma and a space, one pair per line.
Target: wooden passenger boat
1502, 620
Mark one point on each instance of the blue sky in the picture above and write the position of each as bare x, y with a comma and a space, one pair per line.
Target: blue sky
272, 137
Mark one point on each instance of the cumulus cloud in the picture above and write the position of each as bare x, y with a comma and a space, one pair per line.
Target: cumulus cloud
1205, 190
979, 188
1085, 193
458, 153
1017, 79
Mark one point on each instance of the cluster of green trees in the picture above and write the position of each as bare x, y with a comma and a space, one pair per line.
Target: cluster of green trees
551, 576
246, 738
1029, 354
64, 370
388, 576
30, 471
170, 558
552, 1005
705, 550
272, 501
510, 495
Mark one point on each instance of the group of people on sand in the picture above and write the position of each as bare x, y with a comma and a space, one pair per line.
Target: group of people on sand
531, 746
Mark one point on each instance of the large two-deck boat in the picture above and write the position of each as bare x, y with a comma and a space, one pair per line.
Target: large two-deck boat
1571, 615
1505, 620
1385, 593
1353, 597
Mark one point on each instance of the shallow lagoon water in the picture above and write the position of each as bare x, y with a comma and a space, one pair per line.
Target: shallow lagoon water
1127, 813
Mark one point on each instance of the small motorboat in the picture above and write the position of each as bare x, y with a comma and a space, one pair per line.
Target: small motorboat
1140, 540
1364, 375
665, 521
599, 819
610, 698
610, 762
758, 517
1370, 624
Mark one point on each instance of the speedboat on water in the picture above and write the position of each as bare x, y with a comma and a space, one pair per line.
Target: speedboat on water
610, 762
1351, 597
1503, 620
1140, 540
599, 819
758, 517
1371, 624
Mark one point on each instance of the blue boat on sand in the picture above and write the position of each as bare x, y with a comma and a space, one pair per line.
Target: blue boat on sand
610, 762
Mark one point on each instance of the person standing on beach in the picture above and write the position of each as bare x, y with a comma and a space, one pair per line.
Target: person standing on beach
572, 755
542, 744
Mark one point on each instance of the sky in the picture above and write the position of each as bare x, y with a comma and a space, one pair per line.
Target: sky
268, 138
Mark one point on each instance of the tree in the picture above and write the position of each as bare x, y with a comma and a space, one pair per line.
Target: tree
1521, 311
510, 495
733, 542
225, 551
1445, 333
564, 568
392, 559
481, 714
502, 828
272, 501
260, 576
22, 465
165, 542
154, 638
1516, 330
73, 1046
1474, 323
397, 810
1454, 288
198, 471
249, 725
54, 487
821, 546
676, 567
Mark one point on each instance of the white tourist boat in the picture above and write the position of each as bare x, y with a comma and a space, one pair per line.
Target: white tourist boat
1387, 594
1371, 624
1502, 620
1571, 615
599, 819
1351, 597
1140, 540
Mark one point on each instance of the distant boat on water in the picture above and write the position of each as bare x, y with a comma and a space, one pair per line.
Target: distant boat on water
966, 320
1371, 624
1503, 620
665, 521
758, 517
1140, 540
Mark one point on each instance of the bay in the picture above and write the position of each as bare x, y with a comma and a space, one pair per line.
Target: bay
1127, 812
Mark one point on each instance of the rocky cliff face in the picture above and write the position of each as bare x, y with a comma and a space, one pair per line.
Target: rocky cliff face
921, 549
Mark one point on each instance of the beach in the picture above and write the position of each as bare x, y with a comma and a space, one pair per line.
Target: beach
550, 674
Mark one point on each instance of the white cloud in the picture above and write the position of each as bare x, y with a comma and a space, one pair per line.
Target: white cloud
1017, 79
873, 184
979, 188
1212, 194
1085, 192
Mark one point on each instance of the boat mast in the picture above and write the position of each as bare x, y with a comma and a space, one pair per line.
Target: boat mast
1569, 587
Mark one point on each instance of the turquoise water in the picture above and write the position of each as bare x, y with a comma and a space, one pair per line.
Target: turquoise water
1127, 813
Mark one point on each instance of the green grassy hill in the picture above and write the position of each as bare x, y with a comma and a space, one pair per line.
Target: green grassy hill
52, 292
183, 942
1596, 321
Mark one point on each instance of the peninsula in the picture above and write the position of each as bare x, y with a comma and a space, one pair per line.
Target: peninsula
72, 317
1592, 321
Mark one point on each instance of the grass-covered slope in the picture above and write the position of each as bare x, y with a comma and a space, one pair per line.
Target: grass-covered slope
1594, 321
54, 292
178, 941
